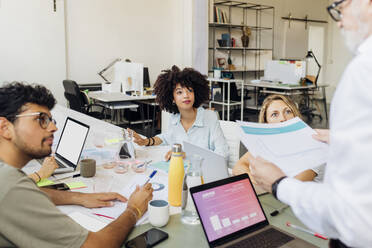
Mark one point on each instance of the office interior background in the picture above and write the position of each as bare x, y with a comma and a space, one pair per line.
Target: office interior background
47, 41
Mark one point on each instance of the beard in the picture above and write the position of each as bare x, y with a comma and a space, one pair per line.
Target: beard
354, 38
31, 152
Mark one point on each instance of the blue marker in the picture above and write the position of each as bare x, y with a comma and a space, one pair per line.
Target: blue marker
151, 176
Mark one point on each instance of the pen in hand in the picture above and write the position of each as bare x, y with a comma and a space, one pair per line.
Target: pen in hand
151, 176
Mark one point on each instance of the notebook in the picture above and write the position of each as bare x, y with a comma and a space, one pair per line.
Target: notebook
232, 216
70, 145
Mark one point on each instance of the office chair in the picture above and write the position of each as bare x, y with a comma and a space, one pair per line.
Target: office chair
78, 101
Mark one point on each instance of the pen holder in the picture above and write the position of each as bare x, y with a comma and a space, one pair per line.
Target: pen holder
88, 167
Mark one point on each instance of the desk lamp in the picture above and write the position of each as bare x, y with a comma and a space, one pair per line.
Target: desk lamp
310, 55
106, 68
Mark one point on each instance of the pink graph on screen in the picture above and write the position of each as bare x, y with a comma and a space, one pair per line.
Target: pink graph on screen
227, 209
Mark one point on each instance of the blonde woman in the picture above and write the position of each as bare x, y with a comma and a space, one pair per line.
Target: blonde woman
275, 109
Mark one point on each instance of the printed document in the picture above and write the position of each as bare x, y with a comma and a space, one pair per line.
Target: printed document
159, 184
288, 144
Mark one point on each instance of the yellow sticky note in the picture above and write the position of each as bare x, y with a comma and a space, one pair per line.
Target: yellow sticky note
44, 182
112, 141
76, 185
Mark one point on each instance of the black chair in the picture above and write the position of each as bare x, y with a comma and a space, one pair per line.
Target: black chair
79, 101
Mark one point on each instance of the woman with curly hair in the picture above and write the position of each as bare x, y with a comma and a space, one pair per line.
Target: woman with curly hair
181, 93
275, 109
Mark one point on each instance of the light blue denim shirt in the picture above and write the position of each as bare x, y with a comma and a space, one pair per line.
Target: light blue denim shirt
206, 132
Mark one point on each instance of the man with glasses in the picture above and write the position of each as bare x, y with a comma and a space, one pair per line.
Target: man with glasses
340, 207
28, 216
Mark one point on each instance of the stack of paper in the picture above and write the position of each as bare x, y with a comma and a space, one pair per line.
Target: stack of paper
289, 145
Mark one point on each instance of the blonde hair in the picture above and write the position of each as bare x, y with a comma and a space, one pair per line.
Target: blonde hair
268, 100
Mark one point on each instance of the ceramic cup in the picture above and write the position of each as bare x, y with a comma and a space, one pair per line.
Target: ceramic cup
158, 212
88, 167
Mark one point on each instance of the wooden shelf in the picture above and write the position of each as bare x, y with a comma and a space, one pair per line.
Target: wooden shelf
229, 25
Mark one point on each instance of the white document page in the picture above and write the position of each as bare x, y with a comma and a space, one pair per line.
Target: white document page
88, 222
159, 184
289, 145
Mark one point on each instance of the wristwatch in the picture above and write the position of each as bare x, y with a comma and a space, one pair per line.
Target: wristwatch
274, 186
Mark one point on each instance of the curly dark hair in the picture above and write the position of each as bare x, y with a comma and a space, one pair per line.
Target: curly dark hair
14, 96
189, 78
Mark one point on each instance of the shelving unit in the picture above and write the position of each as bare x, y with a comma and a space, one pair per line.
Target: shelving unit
242, 14
227, 103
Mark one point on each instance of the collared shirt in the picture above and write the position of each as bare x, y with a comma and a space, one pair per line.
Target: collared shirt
341, 206
206, 132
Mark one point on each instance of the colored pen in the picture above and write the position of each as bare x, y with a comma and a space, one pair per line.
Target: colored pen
105, 216
77, 175
145, 163
151, 176
278, 211
307, 231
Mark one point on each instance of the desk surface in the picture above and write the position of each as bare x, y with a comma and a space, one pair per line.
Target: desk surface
181, 235
109, 97
279, 86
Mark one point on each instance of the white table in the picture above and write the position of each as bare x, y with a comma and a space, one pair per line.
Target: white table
180, 235
117, 101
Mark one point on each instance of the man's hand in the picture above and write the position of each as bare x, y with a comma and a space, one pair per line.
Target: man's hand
138, 139
264, 172
48, 167
97, 200
322, 135
140, 198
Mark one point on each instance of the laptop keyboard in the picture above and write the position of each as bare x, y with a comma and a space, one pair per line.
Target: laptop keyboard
60, 165
270, 238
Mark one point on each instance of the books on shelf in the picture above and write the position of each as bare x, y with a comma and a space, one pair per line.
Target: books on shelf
220, 16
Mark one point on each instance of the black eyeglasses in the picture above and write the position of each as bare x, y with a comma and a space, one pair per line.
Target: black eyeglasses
44, 119
334, 11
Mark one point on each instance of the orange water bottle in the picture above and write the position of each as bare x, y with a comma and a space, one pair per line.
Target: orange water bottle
175, 176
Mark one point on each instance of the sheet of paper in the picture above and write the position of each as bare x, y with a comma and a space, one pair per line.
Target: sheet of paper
88, 222
160, 192
289, 144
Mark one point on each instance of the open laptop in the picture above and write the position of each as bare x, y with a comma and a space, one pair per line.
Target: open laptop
232, 216
214, 166
70, 145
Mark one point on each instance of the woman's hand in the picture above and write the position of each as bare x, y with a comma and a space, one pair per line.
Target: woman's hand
322, 135
138, 139
48, 167
168, 155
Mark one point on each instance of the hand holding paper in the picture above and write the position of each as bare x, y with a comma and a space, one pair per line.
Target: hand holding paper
289, 145
263, 172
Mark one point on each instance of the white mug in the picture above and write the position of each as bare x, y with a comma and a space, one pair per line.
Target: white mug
158, 212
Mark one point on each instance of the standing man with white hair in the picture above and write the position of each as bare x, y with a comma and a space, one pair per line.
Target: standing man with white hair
340, 207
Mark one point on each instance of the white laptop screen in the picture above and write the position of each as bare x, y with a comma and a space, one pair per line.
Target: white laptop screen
228, 208
72, 141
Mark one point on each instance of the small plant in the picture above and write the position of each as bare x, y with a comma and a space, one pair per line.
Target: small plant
247, 31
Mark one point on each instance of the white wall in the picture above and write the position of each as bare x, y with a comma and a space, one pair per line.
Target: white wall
338, 56
149, 32
32, 43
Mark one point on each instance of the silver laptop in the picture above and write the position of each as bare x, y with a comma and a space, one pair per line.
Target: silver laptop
232, 216
70, 145
214, 166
